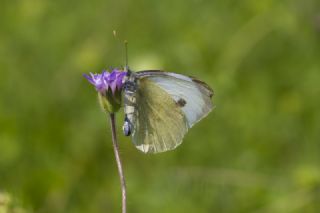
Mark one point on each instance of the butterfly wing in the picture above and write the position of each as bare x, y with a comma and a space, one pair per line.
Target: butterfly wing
159, 125
168, 104
193, 95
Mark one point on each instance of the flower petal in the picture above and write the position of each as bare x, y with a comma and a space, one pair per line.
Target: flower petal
98, 81
119, 79
113, 87
89, 78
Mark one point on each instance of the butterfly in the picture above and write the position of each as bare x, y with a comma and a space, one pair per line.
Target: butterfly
160, 107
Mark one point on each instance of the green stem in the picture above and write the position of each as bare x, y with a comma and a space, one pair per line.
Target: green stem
119, 164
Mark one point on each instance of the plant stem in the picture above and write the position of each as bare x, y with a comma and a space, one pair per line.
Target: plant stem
119, 164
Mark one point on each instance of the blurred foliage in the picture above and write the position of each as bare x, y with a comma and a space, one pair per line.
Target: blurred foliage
258, 151
8, 206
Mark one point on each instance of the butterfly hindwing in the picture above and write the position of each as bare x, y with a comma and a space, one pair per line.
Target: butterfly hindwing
159, 123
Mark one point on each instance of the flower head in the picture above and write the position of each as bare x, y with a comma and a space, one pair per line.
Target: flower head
106, 80
109, 86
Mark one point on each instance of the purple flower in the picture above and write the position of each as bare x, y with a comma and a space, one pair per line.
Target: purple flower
106, 80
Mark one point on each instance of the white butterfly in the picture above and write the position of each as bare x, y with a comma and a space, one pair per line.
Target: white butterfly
161, 106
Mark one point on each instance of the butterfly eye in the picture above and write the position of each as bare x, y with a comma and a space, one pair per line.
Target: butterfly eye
127, 130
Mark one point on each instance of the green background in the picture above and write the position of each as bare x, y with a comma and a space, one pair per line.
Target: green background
258, 151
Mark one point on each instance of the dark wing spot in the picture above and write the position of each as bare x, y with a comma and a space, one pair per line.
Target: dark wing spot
181, 102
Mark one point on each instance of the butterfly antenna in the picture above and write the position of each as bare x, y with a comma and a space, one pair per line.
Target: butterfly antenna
126, 53
126, 68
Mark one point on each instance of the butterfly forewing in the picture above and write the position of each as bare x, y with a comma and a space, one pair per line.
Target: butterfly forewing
192, 95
